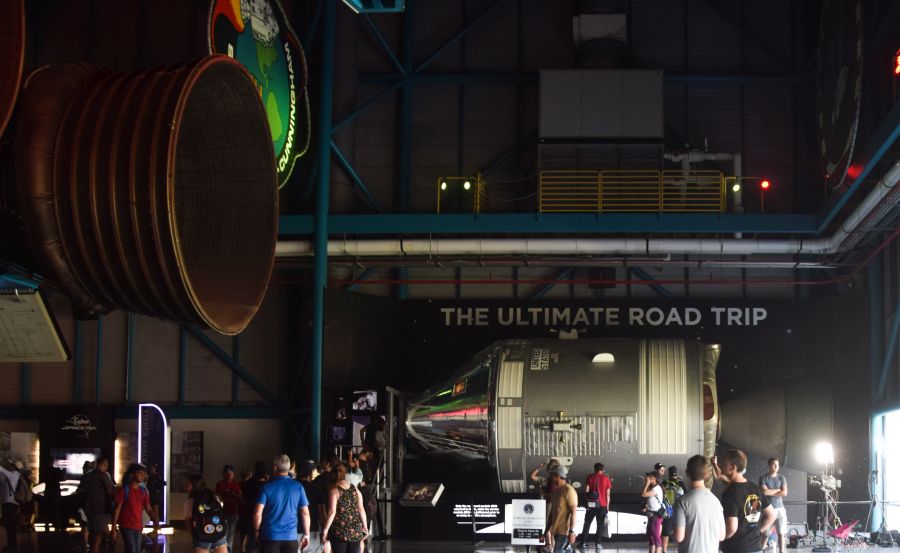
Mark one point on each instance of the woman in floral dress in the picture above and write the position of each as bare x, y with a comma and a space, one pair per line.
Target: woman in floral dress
345, 526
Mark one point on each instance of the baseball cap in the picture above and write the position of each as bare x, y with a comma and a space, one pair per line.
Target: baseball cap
658, 466
134, 467
305, 468
562, 471
227, 468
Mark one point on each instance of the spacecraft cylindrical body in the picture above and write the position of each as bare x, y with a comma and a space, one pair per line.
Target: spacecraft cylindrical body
624, 402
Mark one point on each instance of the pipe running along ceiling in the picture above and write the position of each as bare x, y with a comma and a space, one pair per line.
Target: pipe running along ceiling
875, 207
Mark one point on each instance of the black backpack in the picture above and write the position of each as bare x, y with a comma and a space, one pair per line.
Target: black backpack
208, 516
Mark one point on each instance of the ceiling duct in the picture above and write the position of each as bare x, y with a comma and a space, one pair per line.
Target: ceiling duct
600, 32
153, 192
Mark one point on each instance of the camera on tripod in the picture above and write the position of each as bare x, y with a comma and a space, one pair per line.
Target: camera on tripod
827, 482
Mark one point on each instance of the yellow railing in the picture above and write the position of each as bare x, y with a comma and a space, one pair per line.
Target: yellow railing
589, 191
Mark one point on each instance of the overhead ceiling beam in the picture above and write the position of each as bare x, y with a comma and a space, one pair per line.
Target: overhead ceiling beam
551, 223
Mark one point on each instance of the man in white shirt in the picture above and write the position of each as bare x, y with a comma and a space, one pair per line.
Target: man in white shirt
699, 524
9, 479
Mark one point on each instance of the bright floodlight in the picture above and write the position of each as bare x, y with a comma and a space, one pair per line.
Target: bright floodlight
824, 453
467, 185
604, 358
444, 185
736, 187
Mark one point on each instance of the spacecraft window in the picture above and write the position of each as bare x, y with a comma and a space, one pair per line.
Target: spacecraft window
604, 358
709, 405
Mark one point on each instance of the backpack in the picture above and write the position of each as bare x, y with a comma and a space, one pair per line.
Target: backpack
671, 492
208, 515
23, 492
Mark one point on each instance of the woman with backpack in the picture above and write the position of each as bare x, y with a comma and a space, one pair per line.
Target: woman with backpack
345, 526
205, 515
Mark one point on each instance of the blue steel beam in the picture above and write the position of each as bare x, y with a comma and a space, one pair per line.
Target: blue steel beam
878, 145
362, 276
510, 77
354, 176
236, 367
362, 108
645, 276
887, 364
235, 381
551, 223
388, 51
320, 267
542, 290
205, 412
463, 32
739, 27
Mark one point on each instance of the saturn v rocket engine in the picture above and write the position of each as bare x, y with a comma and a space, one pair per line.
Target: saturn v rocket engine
627, 403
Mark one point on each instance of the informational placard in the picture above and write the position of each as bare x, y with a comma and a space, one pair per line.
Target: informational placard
187, 458
527, 520
153, 444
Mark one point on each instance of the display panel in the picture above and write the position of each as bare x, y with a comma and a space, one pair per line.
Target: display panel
365, 400
71, 460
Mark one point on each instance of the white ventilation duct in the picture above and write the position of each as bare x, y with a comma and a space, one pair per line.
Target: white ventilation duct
608, 246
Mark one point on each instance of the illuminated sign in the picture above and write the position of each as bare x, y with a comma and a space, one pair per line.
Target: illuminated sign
153, 446
256, 34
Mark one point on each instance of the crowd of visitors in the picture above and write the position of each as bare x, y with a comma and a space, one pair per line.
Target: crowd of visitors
282, 507
278, 507
740, 521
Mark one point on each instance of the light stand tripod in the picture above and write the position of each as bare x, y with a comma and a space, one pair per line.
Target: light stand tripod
883, 538
828, 518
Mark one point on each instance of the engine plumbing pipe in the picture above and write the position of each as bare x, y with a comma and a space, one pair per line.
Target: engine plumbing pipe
425, 247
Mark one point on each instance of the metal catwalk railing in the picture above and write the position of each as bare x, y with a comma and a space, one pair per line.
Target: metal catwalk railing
590, 191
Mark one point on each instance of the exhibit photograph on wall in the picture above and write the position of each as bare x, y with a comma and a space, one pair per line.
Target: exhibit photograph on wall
187, 458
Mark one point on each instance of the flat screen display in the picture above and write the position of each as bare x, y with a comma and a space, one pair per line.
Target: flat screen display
365, 400
71, 460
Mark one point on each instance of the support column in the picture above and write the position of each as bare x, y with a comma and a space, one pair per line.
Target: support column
320, 270
404, 161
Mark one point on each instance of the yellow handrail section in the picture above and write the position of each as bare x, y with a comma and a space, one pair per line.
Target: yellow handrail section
618, 191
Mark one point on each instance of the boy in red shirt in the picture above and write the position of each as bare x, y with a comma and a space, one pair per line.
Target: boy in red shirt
132, 500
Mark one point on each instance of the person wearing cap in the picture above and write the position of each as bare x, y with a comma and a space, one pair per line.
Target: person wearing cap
305, 474
9, 479
132, 500
230, 492
563, 505
673, 488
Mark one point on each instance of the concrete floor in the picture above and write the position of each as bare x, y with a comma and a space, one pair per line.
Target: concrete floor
180, 543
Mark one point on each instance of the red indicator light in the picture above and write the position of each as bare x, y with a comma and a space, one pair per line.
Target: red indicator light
765, 184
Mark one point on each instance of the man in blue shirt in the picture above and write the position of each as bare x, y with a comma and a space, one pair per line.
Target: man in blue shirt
280, 502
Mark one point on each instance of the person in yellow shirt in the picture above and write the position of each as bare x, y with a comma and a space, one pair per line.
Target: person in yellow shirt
561, 519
